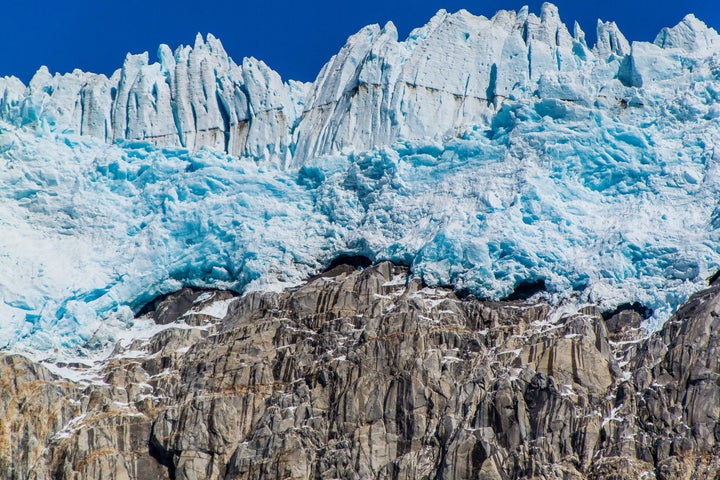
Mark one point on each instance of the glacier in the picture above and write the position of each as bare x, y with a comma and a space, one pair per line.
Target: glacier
482, 152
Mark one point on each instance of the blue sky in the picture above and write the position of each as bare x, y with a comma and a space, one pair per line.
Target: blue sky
295, 38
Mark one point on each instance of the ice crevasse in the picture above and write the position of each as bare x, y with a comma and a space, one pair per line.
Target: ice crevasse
484, 153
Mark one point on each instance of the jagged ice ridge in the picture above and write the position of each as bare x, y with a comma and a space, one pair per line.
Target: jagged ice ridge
482, 152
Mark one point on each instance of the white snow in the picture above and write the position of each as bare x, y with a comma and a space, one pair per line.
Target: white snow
613, 417
217, 310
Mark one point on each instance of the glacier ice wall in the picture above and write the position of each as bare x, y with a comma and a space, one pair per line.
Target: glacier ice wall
482, 152
450, 74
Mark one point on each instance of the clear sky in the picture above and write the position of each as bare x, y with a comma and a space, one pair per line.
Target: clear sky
294, 37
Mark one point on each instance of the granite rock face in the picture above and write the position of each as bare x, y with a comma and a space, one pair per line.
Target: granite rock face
369, 374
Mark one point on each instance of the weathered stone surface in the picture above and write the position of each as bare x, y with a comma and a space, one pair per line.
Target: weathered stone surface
366, 374
34, 406
179, 305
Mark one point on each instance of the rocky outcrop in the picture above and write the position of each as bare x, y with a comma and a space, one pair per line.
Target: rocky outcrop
34, 406
369, 374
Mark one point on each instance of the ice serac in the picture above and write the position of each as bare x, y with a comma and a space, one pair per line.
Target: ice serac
97, 113
610, 41
690, 35
448, 75
453, 73
55, 98
682, 55
12, 92
195, 97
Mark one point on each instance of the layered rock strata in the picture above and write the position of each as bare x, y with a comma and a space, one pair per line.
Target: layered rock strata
368, 374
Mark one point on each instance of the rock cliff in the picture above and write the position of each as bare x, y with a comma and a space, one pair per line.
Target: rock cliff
370, 374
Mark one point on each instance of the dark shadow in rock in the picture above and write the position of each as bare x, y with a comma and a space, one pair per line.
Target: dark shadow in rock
526, 289
162, 456
343, 264
465, 294
714, 279
171, 307
626, 315
357, 261
168, 308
